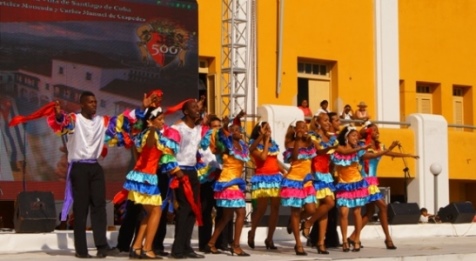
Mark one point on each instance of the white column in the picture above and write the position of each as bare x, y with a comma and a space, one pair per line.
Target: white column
387, 74
431, 144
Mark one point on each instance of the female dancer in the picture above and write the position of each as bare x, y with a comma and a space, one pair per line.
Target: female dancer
230, 187
266, 182
297, 190
352, 189
323, 181
369, 171
141, 182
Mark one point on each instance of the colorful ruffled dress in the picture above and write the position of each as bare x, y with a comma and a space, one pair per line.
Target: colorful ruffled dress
230, 186
369, 172
323, 180
266, 182
297, 188
142, 181
351, 189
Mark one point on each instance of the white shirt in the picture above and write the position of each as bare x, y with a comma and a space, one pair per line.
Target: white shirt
189, 141
87, 140
321, 111
347, 116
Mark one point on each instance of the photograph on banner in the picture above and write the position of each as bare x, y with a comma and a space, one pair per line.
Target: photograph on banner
119, 50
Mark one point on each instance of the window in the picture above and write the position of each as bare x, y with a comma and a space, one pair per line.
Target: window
60, 70
313, 68
461, 106
47, 86
424, 98
102, 103
89, 76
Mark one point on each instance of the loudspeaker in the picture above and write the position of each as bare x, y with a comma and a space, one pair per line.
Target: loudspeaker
35, 212
283, 218
403, 213
458, 212
6, 213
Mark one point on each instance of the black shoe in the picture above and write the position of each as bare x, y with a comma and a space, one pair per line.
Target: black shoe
224, 248
161, 252
83, 256
102, 253
144, 255
178, 256
194, 255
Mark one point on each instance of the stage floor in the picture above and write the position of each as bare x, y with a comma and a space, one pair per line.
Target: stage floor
417, 242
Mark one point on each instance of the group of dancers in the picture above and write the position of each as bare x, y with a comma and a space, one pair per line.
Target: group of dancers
205, 151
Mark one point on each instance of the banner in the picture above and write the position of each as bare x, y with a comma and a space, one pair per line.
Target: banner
55, 49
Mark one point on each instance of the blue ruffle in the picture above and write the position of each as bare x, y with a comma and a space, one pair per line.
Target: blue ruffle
352, 186
206, 139
166, 167
141, 177
220, 186
303, 154
351, 203
143, 188
318, 185
344, 160
235, 203
374, 197
299, 184
168, 143
266, 181
296, 202
324, 145
227, 141
272, 150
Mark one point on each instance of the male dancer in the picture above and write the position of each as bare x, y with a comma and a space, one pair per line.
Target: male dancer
188, 210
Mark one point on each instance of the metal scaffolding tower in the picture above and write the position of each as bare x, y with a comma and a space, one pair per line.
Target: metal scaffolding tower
234, 56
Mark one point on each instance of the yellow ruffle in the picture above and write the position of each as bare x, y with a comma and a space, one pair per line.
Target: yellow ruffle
373, 190
325, 192
144, 199
265, 193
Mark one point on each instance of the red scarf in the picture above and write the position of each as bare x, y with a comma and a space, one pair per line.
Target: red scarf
44, 111
187, 188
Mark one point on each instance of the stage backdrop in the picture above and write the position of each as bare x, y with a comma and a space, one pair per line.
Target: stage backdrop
55, 49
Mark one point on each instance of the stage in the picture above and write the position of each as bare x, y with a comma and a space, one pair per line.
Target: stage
11, 242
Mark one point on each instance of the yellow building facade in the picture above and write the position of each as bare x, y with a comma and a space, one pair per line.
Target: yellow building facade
339, 50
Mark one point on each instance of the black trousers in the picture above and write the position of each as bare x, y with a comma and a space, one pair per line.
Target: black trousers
158, 243
185, 218
129, 225
133, 216
89, 193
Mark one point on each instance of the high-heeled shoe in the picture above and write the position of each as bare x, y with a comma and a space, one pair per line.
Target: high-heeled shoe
355, 249
299, 253
210, 249
389, 244
270, 244
144, 255
135, 253
345, 247
251, 240
305, 230
241, 253
352, 243
321, 249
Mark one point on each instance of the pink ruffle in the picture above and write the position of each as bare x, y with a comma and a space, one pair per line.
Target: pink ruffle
297, 193
372, 181
55, 125
359, 193
172, 134
230, 194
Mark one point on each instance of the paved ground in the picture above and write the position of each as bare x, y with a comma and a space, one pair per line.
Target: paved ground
435, 248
